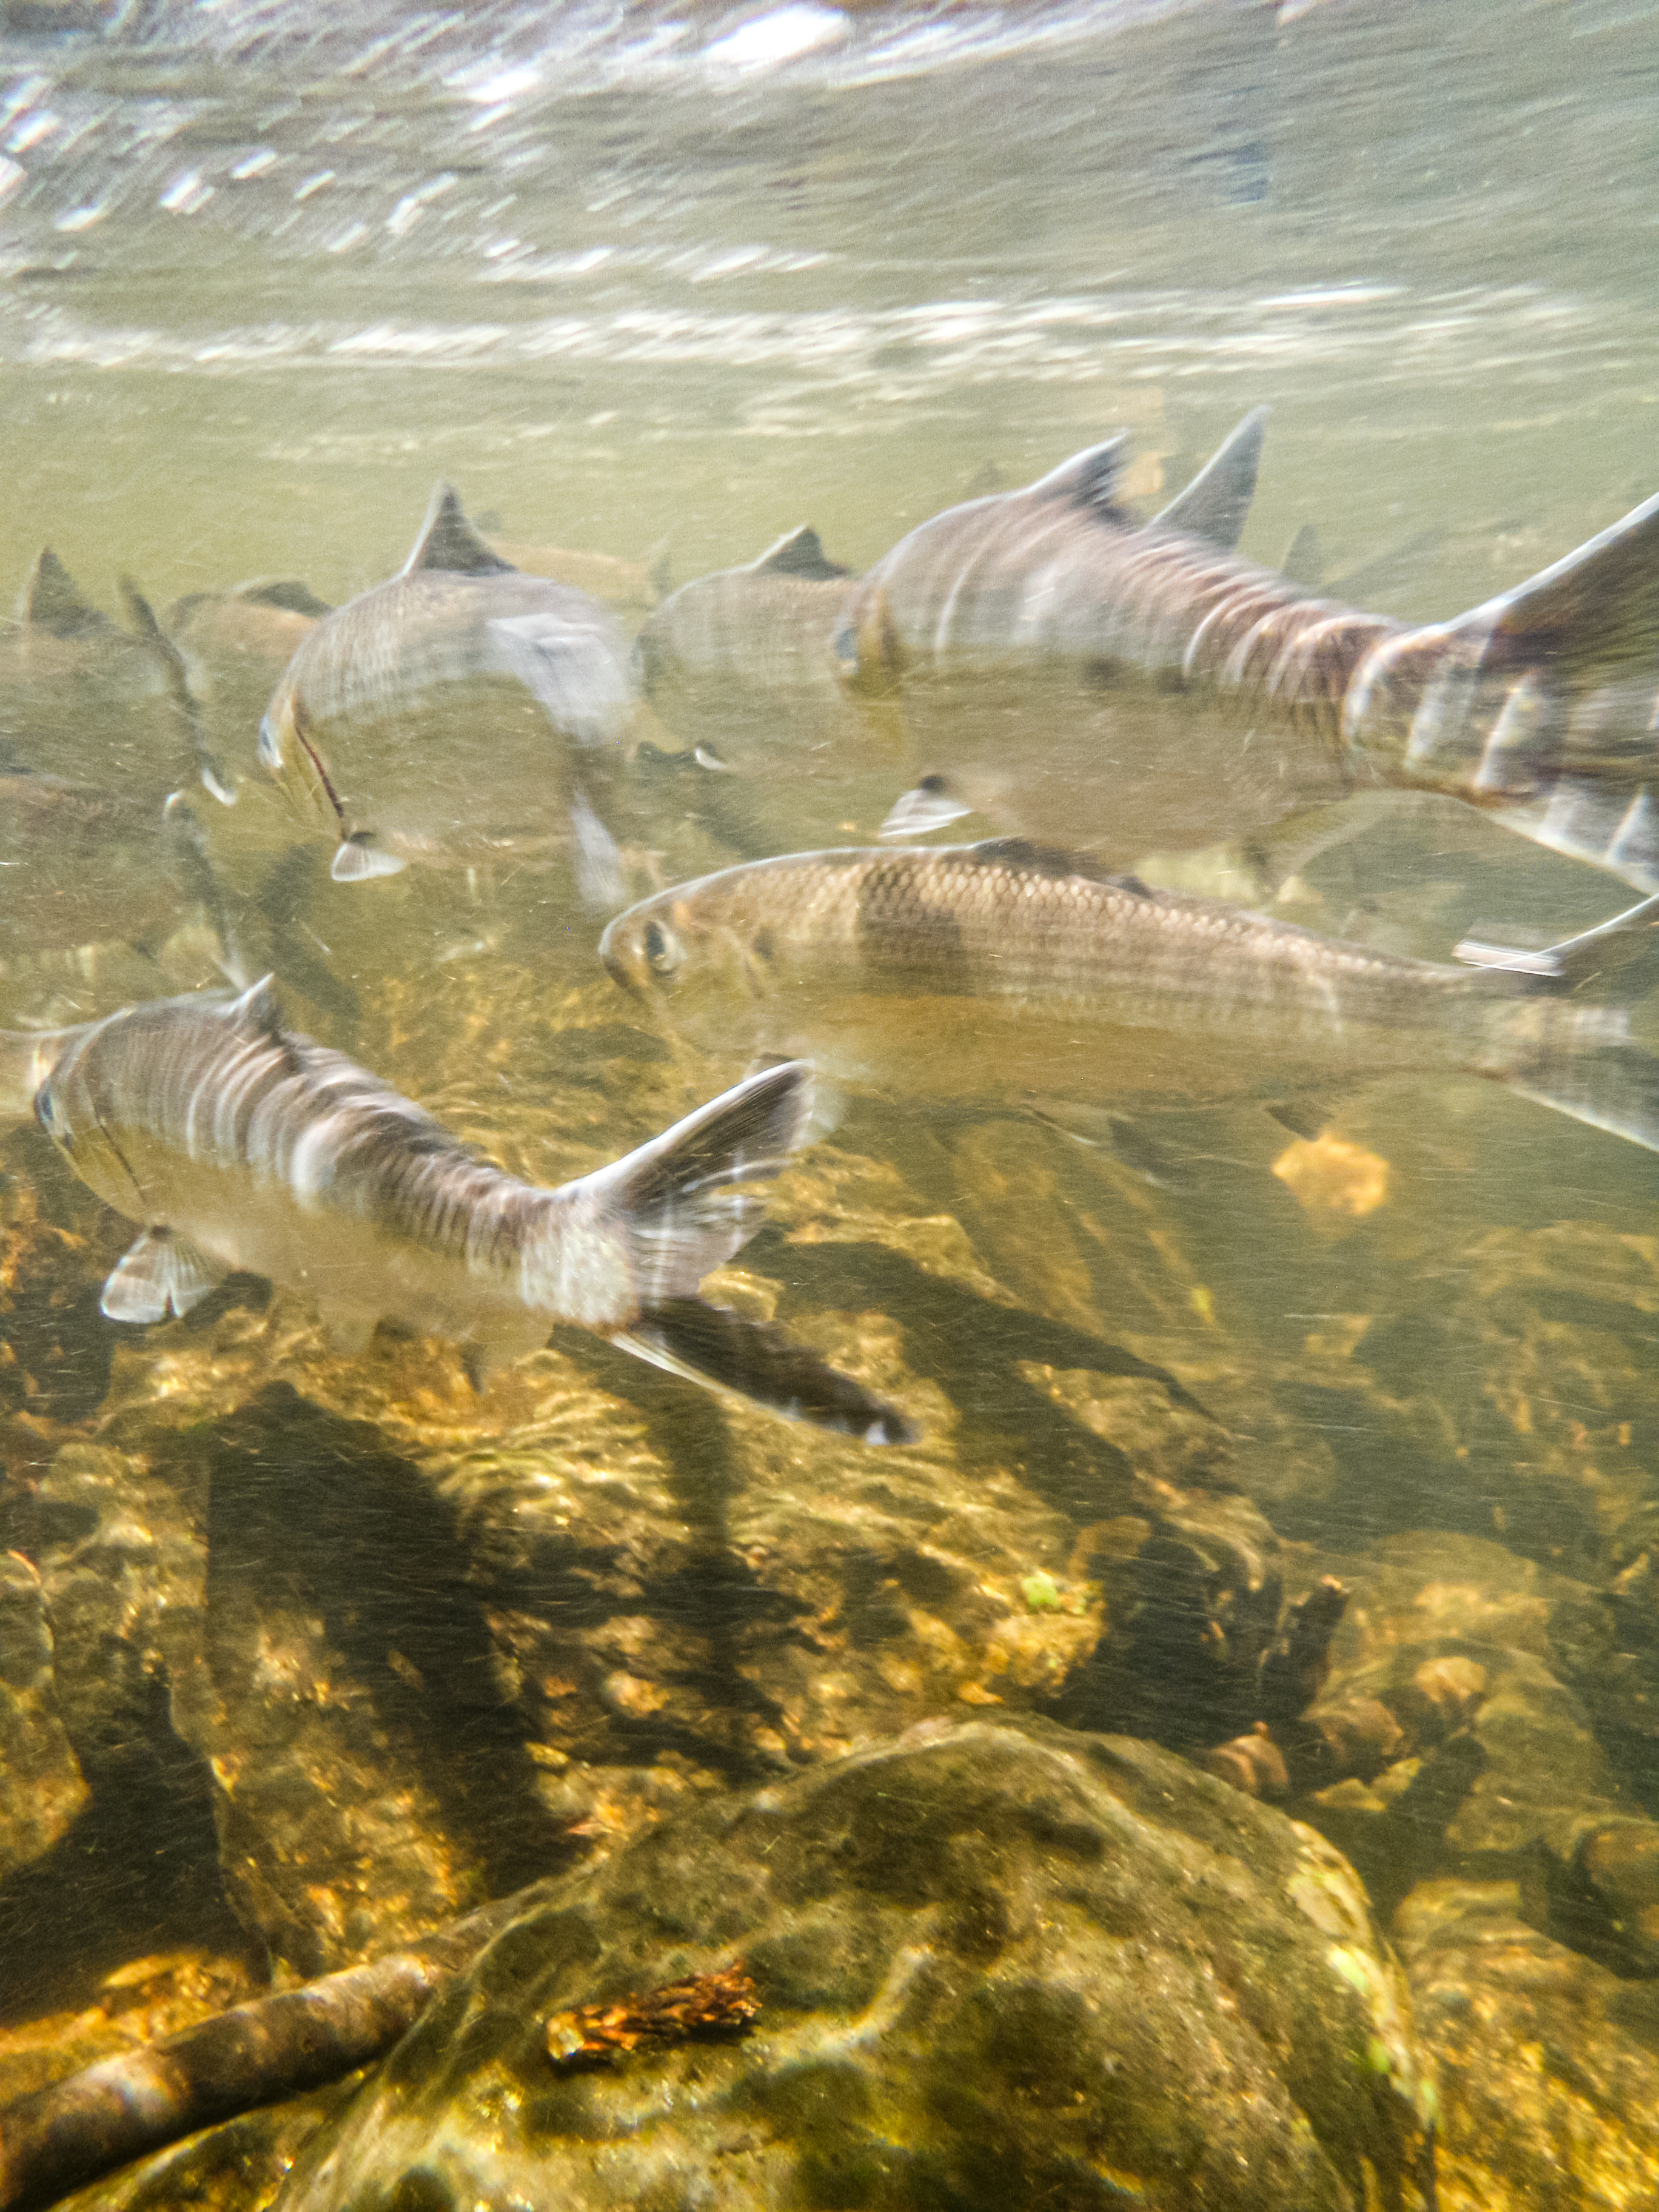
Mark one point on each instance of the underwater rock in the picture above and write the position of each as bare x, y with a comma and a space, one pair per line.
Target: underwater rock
41, 1788
998, 1964
1497, 1770
1547, 2063
237, 2166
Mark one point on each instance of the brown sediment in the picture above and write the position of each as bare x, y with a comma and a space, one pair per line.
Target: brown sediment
704, 2007
67, 2135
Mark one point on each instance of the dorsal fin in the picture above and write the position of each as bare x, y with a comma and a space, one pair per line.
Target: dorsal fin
449, 543
53, 600
287, 593
1088, 479
798, 553
1217, 501
258, 1009
1051, 860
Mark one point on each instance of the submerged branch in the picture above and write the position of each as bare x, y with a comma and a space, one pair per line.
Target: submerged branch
273, 2047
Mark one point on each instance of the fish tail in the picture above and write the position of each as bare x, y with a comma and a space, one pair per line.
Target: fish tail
1539, 702
1580, 1060
686, 1202
724, 1351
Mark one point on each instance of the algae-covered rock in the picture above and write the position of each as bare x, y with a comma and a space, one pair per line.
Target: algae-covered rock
41, 1788
1548, 2064
238, 2167
999, 1963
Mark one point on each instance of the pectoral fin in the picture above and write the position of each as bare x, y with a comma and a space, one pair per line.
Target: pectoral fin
932, 806
158, 1274
597, 860
358, 859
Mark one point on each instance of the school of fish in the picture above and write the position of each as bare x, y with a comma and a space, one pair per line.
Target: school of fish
1093, 688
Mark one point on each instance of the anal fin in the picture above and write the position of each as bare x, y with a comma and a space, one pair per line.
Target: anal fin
158, 1274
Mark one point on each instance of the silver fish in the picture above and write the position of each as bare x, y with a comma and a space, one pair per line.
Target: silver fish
82, 698
632, 587
234, 646
1210, 696
81, 865
740, 665
240, 1145
1008, 971
458, 711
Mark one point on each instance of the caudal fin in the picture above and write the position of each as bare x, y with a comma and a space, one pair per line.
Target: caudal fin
713, 1345
1616, 1088
689, 1201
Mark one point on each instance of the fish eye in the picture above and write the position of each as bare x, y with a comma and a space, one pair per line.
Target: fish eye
662, 951
270, 750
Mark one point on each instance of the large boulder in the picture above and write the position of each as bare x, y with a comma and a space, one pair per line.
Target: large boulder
1000, 1963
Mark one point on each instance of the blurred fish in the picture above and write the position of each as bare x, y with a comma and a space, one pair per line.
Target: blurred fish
1008, 971
234, 646
80, 865
632, 587
240, 1145
766, 626
1226, 698
82, 698
741, 667
457, 713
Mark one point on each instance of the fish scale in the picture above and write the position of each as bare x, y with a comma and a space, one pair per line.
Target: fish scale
1009, 971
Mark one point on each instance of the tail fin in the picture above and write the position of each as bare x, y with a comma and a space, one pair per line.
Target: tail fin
688, 1200
1597, 609
713, 1345
1616, 1088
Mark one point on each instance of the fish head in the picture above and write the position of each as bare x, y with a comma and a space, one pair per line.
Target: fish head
67, 1110
704, 963
866, 646
291, 756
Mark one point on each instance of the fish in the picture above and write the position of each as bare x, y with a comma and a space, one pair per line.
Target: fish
81, 864
740, 666
83, 698
631, 586
1076, 677
238, 1144
1009, 971
234, 646
459, 712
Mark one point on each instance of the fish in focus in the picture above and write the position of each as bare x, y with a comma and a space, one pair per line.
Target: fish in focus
240, 1145
1210, 696
1008, 971
457, 713
84, 699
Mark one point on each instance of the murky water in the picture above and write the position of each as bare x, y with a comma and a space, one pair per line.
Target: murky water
659, 284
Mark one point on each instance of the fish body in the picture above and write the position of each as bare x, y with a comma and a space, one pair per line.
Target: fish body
1199, 695
85, 700
457, 712
81, 864
241, 1145
741, 667
235, 645
630, 587
1008, 971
